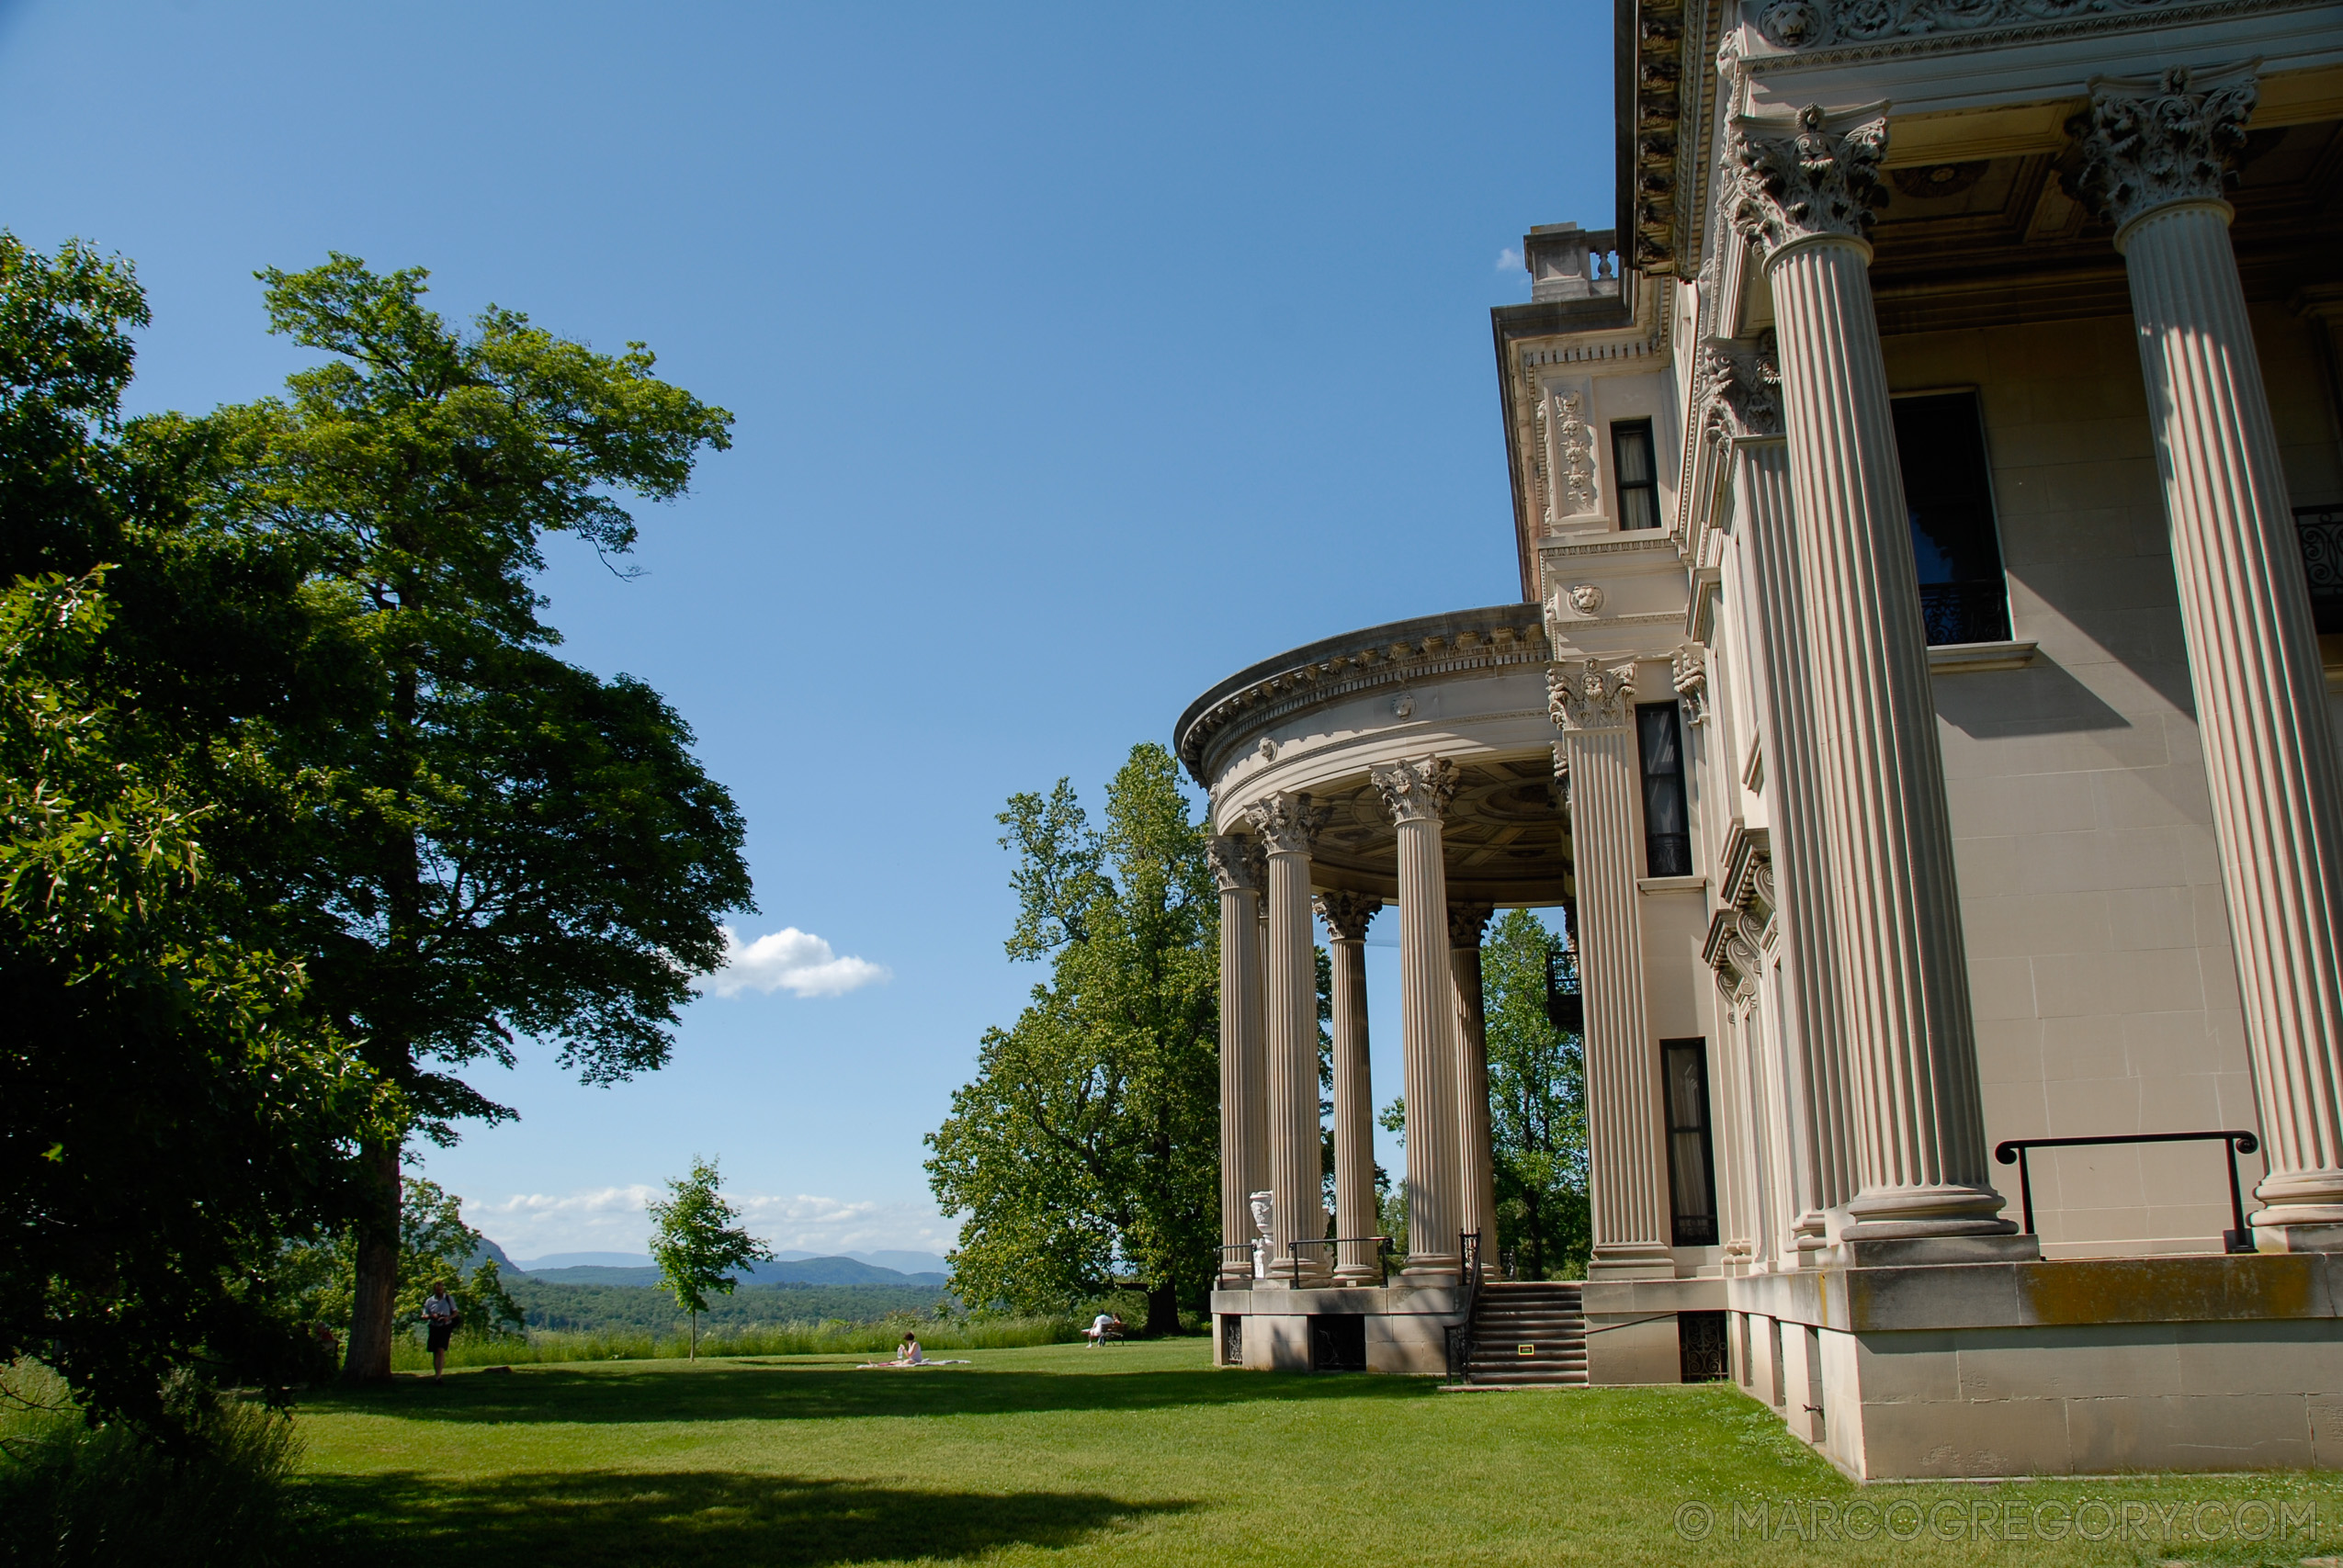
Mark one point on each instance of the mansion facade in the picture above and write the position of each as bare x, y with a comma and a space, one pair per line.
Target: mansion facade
1923, 698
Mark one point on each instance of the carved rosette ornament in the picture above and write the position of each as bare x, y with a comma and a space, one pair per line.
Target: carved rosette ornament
1415, 791
1346, 914
1287, 823
2146, 144
1236, 861
1689, 668
1587, 696
1741, 390
1816, 178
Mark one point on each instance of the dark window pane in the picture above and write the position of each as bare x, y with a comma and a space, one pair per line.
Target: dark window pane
1668, 844
1692, 1181
1638, 482
1941, 446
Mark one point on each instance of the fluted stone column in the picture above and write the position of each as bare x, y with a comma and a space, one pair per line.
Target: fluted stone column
1804, 193
1286, 824
1417, 795
1476, 1168
1346, 916
1744, 413
1237, 867
1627, 1150
2153, 159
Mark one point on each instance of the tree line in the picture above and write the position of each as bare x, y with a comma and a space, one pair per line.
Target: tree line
1085, 1152
302, 818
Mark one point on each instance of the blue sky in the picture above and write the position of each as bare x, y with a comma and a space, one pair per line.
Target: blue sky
1082, 355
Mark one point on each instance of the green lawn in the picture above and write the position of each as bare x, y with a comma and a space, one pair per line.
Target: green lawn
1141, 1454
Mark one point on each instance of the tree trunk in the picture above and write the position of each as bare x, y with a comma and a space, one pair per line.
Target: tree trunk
692, 1354
375, 1296
1162, 1310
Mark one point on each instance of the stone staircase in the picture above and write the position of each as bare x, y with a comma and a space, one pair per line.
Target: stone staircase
1546, 1316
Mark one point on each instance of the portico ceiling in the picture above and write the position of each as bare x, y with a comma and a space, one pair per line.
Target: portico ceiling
1507, 840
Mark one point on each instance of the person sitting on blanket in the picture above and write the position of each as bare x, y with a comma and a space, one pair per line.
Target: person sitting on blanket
907, 1354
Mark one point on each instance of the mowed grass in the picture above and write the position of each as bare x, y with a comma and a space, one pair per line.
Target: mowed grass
1143, 1454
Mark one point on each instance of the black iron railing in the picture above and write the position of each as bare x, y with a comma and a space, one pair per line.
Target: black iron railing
2320, 530
1382, 1252
1565, 1007
1460, 1335
2237, 1239
1976, 610
1243, 1249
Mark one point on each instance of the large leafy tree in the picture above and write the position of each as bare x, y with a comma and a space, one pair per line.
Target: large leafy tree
1537, 1105
1086, 1149
171, 1107
319, 1280
503, 846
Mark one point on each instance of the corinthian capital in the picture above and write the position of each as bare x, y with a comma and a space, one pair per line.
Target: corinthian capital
1739, 390
1346, 914
1587, 696
1419, 791
1236, 861
1287, 823
2146, 144
1816, 176
1466, 922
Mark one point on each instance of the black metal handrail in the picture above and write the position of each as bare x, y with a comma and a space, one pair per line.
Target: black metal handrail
1460, 1335
1381, 1251
2319, 530
1244, 1247
2013, 1151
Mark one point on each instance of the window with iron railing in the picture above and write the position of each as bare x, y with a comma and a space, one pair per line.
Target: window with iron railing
2320, 531
1940, 442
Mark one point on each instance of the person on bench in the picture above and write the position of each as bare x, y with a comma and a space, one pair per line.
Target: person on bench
1105, 1326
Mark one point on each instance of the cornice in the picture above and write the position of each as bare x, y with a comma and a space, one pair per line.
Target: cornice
1498, 637
1918, 39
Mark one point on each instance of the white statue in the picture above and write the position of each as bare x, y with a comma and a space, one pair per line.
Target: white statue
1264, 1206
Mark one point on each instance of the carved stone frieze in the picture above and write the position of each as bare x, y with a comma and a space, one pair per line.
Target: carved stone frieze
1588, 696
1574, 452
1236, 861
1819, 23
1287, 823
1346, 914
2145, 144
1741, 390
1418, 790
1815, 177
1466, 922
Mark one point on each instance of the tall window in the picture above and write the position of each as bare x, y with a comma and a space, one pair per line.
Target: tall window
1941, 444
1692, 1179
1668, 828
1638, 475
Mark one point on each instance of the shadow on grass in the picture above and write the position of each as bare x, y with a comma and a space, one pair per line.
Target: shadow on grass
589, 1518
797, 1393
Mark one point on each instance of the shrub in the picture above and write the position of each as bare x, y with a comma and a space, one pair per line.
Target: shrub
73, 1494
831, 1337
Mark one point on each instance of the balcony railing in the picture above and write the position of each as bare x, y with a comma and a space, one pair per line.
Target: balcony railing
2320, 529
1976, 611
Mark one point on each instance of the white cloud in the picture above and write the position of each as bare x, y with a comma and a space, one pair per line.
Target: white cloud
611, 1219
799, 960
1509, 260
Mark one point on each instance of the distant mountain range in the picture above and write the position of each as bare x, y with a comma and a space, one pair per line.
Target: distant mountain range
835, 1268
791, 1268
